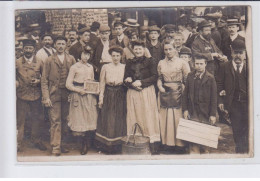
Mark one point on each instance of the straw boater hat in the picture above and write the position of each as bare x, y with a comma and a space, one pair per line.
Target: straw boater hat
131, 22
233, 22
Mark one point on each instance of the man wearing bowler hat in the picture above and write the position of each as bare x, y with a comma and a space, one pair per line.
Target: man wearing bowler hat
233, 94
233, 28
28, 91
47, 49
55, 95
205, 45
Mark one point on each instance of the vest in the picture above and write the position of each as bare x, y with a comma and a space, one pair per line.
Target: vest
240, 93
63, 74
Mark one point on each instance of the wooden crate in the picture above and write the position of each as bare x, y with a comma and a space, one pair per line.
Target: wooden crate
199, 133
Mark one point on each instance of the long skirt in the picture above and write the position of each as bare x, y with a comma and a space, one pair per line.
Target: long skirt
111, 126
169, 121
142, 109
82, 112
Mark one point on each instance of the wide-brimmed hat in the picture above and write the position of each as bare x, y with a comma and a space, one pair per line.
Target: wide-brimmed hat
203, 24
238, 45
233, 22
131, 22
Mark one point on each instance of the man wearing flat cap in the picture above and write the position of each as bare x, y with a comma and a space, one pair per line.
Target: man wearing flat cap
233, 94
28, 91
121, 39
101, 54
206, 46
55, 94
170, 29
233, 28
47, 49
154, 46
215, 34
77, 49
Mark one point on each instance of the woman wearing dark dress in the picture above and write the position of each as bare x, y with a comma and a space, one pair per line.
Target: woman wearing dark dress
111, 126
140, 77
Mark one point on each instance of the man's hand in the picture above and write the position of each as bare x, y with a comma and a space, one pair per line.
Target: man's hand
137, 83
222, 93
128, 79
212, 120
161, 89
186, 114
35, 82
48, 103
214, 55
223, 58
100, 103
221, 107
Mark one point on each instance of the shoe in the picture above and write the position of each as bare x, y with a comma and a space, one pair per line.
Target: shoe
64, 150
84, 146
40, 146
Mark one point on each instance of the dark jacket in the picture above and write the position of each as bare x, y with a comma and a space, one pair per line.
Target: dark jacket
24, 74
216, 36
156, 51
227, 43
51, 76
125, 42
93, 40
143, 69
207, 94
76, 49
226, 81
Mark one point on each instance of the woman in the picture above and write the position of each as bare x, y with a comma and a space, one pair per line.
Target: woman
132, 34
111, 125
172, 73
140, 77
83, 110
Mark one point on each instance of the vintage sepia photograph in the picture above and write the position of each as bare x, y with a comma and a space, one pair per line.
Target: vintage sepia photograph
134, 83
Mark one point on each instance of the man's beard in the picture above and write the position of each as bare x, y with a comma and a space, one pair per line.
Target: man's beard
207, 37
48, 45
28, 55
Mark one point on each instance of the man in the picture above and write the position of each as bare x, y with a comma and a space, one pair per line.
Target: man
47, 49
233, 94
170, 30
200, 97
192, 28
182, 29
101, 54
154, 46
28, 91
215, 34
178, 41
55, 94
120, 39
205, 45
143, 34
73, 38
77, 48
34, 33
233, 28
94, 34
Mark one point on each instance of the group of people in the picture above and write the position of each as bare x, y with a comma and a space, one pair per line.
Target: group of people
153, 80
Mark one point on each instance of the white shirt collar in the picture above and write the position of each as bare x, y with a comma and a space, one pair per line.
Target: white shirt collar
233, 37
235, 66
28, 60
121, 37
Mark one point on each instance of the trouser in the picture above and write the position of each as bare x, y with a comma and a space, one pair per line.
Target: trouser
239, 121
58, 116
35, 109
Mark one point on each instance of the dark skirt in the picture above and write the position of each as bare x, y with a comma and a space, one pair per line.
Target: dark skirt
111, 125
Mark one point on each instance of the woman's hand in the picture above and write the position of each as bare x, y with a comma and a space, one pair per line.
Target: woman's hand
161, 89
100, 103
186, 115
82, 92
128, 79
137, 83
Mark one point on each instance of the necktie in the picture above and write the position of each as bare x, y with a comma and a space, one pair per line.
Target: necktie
238, 66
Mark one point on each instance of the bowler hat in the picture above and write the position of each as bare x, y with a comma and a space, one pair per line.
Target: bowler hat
238, 45
154, 28
29, 42
104, 28
131, 22
185, 50
233, 22
203, 24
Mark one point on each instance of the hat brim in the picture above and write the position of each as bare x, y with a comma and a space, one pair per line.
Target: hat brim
135, 25
230, 24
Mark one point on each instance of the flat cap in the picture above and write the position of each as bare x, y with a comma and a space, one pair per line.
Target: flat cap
28, 42
185, 50
104, 28
117, 23
154, 28
238, 45
169, 27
